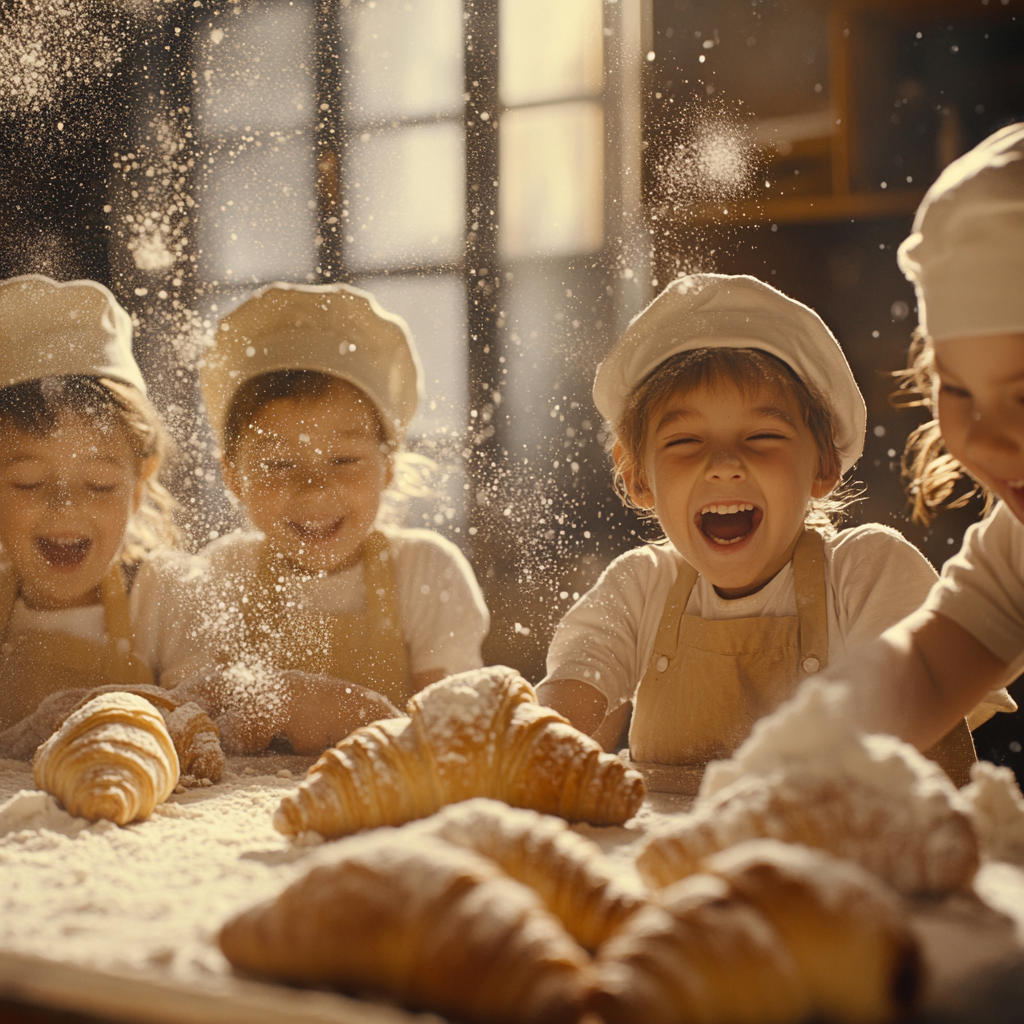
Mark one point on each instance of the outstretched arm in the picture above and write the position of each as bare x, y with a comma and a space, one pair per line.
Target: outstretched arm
584, 705
919, 678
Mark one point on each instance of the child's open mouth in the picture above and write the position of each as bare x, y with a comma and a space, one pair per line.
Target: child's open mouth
729, 524
64, 553
315, 532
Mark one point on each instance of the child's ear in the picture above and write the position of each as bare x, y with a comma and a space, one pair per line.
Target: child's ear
147, 468
640, 494
824, 485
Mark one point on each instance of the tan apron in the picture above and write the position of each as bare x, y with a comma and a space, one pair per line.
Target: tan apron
366, 648
36, 663
708, 681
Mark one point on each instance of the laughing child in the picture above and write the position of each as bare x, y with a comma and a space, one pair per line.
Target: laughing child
80, 506
319, 618
735, 415
965, 256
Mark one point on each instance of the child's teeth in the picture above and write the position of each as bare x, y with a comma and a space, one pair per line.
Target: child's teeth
727, 510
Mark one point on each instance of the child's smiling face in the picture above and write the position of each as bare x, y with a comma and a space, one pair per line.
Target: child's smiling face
729, 473
65, 501
981, 410
310, 473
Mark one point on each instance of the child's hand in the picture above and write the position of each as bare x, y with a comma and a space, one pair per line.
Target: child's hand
250, 704
324, 710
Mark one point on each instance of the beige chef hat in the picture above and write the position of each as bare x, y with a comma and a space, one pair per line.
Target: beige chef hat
332, 328
54, 329
966, 252
724, 311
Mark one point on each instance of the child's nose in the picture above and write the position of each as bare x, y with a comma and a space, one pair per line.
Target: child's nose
724, 465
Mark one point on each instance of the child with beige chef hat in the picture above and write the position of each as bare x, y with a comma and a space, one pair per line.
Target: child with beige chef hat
319, 617
735, 415
965, 256
80, 505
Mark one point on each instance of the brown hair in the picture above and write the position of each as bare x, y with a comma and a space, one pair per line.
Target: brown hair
930, 472
36, 406
749, 369
260, 391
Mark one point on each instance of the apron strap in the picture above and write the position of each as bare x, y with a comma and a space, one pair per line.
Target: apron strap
666, 642
115, 605
811, 601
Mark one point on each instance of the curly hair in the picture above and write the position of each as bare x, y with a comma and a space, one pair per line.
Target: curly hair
749, 369
930, 472
35, 407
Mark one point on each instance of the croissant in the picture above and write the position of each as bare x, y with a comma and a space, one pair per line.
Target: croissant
480, 733
112, 758
427, 923
196, 738
767, 933
569, 872
924, 849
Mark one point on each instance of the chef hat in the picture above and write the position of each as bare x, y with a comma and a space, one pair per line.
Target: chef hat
54, 329
332, 328
724, 311
966, 252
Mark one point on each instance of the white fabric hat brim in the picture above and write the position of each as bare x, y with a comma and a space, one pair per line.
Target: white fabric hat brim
55, 329
726, 311
965, 254
332, 329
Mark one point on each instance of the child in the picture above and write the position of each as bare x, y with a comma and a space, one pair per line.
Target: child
966, 259
79, 502
310, 390
735, 414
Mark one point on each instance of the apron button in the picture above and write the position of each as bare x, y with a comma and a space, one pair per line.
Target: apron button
662, 663
811, 664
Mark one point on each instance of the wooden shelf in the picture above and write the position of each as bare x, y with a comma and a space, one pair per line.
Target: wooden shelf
805, 209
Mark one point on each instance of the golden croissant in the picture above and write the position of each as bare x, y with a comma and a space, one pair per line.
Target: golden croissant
480, 733
768, 933
570, 873
195, 736
926, 848
112, 758
427, 923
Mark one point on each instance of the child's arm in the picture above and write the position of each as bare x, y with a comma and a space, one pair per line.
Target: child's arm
919, 678
584, 705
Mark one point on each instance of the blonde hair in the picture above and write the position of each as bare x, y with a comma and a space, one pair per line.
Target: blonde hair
35, 406
930, 472
749, 369
413, 473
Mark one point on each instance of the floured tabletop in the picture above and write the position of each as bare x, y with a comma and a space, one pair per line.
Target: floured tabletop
121, 922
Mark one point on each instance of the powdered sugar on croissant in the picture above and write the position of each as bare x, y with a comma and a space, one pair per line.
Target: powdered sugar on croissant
112, 758
572, 875
806, 776
427, 923
767, 933
479, 733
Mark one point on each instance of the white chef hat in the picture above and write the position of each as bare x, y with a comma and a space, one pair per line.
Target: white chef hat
966, 252
331, 328
726, 311
54, 329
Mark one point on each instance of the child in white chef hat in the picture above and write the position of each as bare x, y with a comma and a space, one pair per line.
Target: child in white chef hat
80, 505
320, 617
734, 416
965, 256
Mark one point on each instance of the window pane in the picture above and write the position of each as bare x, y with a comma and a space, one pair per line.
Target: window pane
435, 310
550, 50
257, 214
255, 68
551, 193
405, 192
405, 59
